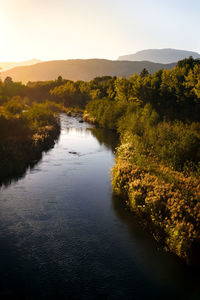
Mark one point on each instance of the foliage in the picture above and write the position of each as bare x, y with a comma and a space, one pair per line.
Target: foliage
157, 166
15, 105
104, 112
19, 119
168, 199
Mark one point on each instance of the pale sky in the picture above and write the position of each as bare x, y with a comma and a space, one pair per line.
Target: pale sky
64, 29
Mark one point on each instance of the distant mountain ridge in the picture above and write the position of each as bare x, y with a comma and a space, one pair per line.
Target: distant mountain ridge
81, 69
164, 56
9, 65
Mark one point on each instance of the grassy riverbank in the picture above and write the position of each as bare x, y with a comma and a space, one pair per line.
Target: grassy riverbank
157, 167
166, 199
26, 131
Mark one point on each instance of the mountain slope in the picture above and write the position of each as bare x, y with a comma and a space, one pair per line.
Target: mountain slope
164, 56
9, 65
80, 69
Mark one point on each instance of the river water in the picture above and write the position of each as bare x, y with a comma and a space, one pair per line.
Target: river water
63, 235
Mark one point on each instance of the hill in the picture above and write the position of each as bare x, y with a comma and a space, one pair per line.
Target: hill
164, 56
9, 65
80, 69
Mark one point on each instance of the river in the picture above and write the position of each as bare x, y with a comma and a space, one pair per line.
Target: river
64, 235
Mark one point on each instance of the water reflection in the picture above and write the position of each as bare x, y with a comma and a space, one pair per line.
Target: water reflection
106, 137
15, 169
164, 268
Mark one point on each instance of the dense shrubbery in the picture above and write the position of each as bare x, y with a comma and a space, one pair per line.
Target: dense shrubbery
38, 116
157, 166
14, 106
17, 118
173, 143
168, 199
26, 129
104, 112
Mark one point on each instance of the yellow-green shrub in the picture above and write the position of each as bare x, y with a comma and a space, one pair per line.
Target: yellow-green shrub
168, 198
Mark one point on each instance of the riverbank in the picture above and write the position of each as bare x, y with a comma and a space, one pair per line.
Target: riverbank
17, 154
156, 172
166, 199
26, 131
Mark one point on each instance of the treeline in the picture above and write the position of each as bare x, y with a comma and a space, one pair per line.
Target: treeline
61, 91
174, 93
157, 168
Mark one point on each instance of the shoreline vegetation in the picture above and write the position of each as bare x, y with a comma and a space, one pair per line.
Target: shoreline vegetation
29, 125
23, 138
157, 166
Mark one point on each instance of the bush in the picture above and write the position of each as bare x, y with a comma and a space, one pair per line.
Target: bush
167, 198
14, 106
38, 115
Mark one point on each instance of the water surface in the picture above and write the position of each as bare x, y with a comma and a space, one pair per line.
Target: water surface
63, 234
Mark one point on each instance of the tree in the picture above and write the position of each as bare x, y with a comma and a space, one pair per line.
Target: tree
8, 80
144, 73
59, 79
123, 89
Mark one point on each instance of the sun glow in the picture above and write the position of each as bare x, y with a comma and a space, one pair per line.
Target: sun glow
6, 53
3, 26
65, 29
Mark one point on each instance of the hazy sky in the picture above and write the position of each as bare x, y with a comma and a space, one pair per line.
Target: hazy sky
63, 29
